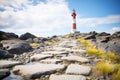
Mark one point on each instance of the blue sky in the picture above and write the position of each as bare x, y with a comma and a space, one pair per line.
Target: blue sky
53, 17
95, 8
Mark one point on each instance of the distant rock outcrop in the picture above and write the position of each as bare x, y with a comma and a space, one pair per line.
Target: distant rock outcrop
6, 35
103, 34
16, 46
27, 36
109, 43
115, 35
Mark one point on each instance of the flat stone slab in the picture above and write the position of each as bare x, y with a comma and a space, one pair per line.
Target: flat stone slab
75, 58
8, 64
55, 52
37, 57
37, 70
78, 50
67, 77
77, 69
53, 61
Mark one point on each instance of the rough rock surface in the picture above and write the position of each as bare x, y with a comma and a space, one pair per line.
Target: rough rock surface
111, 46
5, 54
4, 73
55, 52
91, 36
75, 58
27, 36
53, 61
67, 77
37, 70
16, 46
78, 69
37, 57
8, 64
6, 36
19, 48
80, 51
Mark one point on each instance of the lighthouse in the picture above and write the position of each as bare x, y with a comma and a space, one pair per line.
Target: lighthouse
74, 21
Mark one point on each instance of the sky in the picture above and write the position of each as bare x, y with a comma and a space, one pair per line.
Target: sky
53, 17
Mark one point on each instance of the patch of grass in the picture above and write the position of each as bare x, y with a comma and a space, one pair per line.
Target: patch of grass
111, 56
86, 43
117, 75
105, 67
117, 59
96, 52
34, 44
50, 42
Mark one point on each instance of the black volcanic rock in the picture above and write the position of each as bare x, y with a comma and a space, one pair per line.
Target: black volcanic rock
27, 36
116, 35
111, 46
103, 34
16, 46
5, 54
6, 35
93, 32
4, 73
92, 36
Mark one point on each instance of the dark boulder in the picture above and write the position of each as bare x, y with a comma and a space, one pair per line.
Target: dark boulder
103, 34
111, 46
93, 32
115, 35
1, 46
5, 54
90, 37
105, 40
6, 36
4, 73
16, 46
19, 48
27, 36
45, 39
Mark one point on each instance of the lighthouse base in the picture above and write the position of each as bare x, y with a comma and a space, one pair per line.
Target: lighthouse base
73, 30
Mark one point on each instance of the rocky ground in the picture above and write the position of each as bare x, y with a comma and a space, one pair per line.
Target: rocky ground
56, 58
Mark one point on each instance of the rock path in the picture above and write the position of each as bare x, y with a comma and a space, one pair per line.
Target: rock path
51, 63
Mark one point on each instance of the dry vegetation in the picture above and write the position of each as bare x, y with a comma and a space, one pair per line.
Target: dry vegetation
34, 44
109, 67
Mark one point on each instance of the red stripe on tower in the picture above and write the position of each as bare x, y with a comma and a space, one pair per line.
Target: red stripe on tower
74, 21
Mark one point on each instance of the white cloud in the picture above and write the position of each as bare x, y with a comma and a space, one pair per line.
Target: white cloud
92, 22
115, 29
22, 16
43, 17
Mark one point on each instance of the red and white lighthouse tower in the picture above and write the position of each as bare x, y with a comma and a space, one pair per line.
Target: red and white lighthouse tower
74, 21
